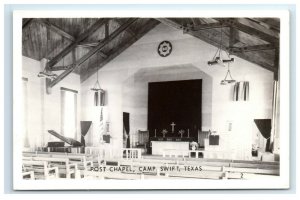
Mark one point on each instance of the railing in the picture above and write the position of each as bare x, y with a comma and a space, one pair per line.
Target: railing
106, 153
102, 152
205, 154
132, 153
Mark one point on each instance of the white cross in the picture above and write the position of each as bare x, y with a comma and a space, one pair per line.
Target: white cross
173, 125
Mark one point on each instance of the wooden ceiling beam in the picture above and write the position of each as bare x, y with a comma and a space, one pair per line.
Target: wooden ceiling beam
59, 68
261, 26
115, 52
201, 27
250, 30
215, 43
107, 40
194, 23
128, 30
93, 51
26, 22
70, 37
88, 44
262, 47
106, 29
271, 23
233, 37
171, 23
55, 29
92, 44
255, 61
73, 45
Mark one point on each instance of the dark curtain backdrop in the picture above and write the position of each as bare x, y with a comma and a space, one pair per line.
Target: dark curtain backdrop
178, 102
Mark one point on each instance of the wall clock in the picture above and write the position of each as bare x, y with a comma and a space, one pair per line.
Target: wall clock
164, 48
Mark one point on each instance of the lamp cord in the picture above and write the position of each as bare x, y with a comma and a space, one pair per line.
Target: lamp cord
221, 42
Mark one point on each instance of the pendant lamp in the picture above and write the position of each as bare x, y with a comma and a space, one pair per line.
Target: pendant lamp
45, 73
99, 93
221, 57
228, 78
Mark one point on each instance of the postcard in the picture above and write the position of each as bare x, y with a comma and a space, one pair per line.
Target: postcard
151, 99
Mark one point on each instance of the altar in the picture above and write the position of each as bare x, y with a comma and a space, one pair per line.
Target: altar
158, 147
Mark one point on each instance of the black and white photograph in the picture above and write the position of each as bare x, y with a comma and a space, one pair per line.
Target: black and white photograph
150, 101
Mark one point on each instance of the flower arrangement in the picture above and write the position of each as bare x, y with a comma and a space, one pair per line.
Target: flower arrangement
181, 132
164, 132
194, 145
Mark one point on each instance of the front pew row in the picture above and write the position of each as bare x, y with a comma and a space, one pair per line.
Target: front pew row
44, 166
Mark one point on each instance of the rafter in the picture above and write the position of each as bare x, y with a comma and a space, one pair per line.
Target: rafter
261, 26
93, 51
88, 44
59, 68
201, 27
233, 36
55, 29
170, 23
73, 45
193, 22
250, 30
115, 52
262, 47
273, 25
207, 39
70, 37
26, 22
128, 30
106, 29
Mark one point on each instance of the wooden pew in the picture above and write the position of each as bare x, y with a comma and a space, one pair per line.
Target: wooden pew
252, 170
40, 168
254, 165
65, 168
156, 174
28, 175
215, 162
83, 161
258, 168
248, 176
110, 175
209, 171
80, 160
123, 176
164, 169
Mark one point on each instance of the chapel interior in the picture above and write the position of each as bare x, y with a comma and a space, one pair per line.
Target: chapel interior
152, 94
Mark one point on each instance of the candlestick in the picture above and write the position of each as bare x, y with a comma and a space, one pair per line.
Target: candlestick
154, 132
188, 133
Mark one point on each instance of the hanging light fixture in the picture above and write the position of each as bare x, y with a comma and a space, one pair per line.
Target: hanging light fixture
45, 73
99, 95
222, 58
219, 57
228, 78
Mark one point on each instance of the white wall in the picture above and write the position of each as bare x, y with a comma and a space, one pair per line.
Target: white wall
44, 110
194, 53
